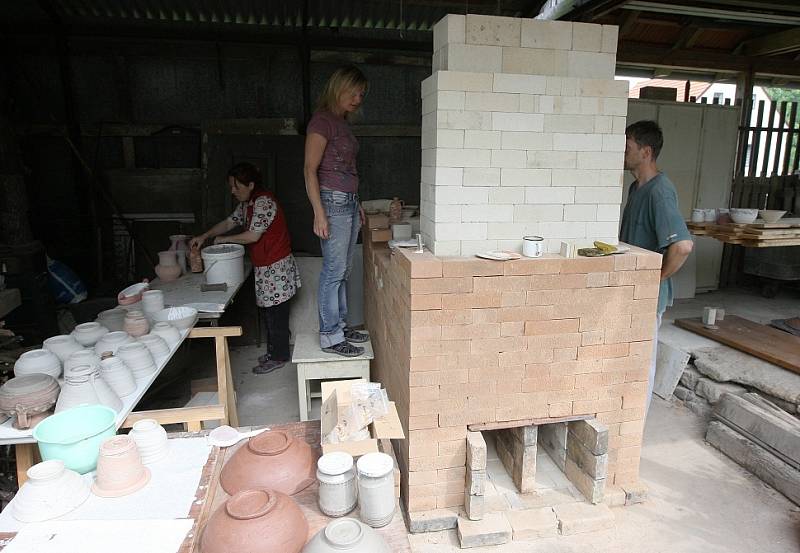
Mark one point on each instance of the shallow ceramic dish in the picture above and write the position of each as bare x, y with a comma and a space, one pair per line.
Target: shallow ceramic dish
133, 293
274, 460
771, 215
180, 317
499, 255
347, 534
50, 492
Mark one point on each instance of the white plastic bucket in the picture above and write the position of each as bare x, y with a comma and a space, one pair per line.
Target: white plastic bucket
224, 263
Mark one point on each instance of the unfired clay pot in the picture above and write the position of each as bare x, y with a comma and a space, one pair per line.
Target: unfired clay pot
274, 460
87, 334
119, 468
38, 361
26, 397
168, 268
136, 324
83, 386
63, 346
256, 521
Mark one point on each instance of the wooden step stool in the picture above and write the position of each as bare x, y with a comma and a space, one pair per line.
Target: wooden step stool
315, 364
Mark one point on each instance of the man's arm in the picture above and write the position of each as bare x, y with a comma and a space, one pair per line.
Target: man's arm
674, 257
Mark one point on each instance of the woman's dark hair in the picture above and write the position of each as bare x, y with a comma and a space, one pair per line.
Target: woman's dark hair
246, 173
646, 133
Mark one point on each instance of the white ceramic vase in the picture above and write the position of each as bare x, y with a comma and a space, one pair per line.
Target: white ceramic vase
170, 334
118, 376
87, 334
38, 361
151, 439
138, 359
63, 346
83, 386
50, 492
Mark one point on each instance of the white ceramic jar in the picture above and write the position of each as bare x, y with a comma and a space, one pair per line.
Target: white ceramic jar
338, 493
376, 489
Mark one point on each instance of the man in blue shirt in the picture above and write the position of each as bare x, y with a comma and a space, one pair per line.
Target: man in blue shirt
652, 219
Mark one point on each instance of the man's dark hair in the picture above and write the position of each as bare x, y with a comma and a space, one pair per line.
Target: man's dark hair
646, 133
246, 173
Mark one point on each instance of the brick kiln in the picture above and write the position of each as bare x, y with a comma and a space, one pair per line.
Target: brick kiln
523, 133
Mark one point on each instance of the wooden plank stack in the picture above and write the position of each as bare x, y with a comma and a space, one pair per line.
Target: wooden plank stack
759, 234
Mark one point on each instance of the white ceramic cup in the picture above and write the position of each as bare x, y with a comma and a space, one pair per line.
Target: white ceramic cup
698, 215
532, 246
711, 215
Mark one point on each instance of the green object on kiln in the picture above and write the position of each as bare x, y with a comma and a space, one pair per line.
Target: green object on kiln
74, 436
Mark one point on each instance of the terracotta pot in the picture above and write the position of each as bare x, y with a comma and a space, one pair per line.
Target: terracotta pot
119, 468
38, 361
168, 268
87, 334
151, 439
274, 460
136, 324
26, 396
83, 386
112, 341
63, 346
256, 521
51, 491
196, 260
347, 534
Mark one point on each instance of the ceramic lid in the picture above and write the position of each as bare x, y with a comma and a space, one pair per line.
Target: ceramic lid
337, 462
345, 532
375, 465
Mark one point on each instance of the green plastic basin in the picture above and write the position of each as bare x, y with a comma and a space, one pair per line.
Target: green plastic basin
74, 436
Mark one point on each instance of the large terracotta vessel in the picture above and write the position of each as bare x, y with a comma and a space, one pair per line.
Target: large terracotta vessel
256, 521
167, 268
273, 460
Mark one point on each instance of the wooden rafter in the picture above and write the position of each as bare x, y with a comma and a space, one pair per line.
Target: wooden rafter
770, 45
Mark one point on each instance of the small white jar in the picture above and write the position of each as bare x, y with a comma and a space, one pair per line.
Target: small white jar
338, 493
376, 489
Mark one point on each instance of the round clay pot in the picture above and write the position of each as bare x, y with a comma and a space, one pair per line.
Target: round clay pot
170, 334
112, 341
274, 460
138, 359
83, 386
347, 534
87, 334
38, 361
136, 324
63, 346
156, 344
256, 521
112, 319
119, 468
118, 376
26, 396
151, 439
50, 492
168, 268
80, 359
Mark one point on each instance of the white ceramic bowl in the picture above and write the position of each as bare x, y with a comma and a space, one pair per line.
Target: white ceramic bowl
170, 334
138, 359
180, 317
87, 334
118, 376
63, 346
38, 361
156, 344
79, 358
50, 492
112, 341
771, 215
744, 216
151, 439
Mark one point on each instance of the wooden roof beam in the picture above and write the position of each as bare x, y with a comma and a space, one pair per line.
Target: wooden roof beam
627, 21
688, 36
770, 45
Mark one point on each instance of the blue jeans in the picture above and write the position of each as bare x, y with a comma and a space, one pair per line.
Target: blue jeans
651, 375
344, 222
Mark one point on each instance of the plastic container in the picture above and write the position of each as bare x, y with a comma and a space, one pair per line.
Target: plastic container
338, 492
224, 263
74, 436
376, 489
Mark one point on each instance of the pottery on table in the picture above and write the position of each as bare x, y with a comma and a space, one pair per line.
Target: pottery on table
136, 324
81, 358
771, 215
50, 492
152, 301
83, 386
62, 346
156, 344
151, 440
138, 359
256, 521
347, 534
182, 317
25, 397
112, 319
119, 468
118, 376
168, 268
133, 293
274, 460
743, 216
74, 436
38, 361
87, 334
395, 210
196, 259
112, 341
169, 333
179, 243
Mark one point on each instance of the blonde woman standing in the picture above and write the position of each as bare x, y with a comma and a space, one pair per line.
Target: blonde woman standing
331, 180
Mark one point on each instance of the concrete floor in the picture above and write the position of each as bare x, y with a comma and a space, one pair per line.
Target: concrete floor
699, 500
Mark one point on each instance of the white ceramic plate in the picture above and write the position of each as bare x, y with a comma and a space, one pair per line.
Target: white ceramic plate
622, 249
498, 255
207, 307
135, 289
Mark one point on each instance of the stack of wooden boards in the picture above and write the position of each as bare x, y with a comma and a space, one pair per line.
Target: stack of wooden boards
760, 234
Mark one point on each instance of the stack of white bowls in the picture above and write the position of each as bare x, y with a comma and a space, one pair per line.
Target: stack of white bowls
118, 376
152, 302
170, 334
138, 359
63, 346
80, 358
151, 439
157, 346
112, 341
38, 361
83, 386
50, 492
87, 334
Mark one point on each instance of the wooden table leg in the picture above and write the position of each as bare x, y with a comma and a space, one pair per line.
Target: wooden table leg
220, 345
233, 413
26, 458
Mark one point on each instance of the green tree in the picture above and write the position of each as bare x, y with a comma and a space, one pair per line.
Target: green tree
785, 97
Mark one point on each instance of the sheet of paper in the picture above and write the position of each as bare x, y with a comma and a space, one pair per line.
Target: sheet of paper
101, 536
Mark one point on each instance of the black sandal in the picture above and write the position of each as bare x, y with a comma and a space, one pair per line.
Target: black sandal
344, 349
355, 336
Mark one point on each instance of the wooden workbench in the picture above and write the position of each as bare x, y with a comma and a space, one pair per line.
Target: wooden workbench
786, 232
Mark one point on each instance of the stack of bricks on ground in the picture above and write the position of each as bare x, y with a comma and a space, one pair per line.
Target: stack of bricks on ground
461, 342
522, 134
